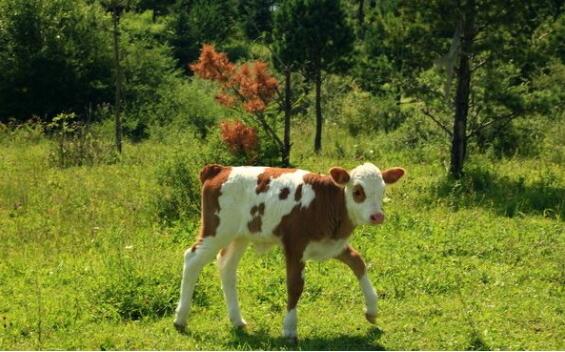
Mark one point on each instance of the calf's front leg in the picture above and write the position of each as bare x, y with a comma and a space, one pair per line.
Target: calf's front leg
353, 259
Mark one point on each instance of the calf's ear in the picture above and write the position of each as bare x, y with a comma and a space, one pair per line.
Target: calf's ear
393, 174
339, 175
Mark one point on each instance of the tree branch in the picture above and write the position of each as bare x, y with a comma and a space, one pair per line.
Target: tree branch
438, 122
506, 119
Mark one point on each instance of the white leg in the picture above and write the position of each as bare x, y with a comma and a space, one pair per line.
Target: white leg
370, 298
228, 259
290, 324
194, 261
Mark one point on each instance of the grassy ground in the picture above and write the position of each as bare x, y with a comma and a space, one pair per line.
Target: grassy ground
86, 264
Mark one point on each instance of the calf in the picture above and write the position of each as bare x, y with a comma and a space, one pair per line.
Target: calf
310, 215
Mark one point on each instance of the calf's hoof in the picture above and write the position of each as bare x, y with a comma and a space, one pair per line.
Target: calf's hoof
371, 318
179, 327
240, 325
291, 340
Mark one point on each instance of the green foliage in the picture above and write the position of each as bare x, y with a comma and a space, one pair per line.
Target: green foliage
542, 194
150, 74
76, 144
129, 293
363, 113
179, 193
312, 35
55, 57
256, 17
196, 22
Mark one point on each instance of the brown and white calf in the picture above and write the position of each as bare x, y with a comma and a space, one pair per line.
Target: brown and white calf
311, 216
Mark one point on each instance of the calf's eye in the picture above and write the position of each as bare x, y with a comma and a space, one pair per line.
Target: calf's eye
359, 194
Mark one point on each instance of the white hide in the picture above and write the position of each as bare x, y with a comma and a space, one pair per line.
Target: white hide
238, 196
369, 294
323, 250
290, 324
369, 176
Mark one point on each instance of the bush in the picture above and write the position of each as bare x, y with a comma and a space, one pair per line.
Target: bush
77, 145
31, 131
363, 113
521, 137
179, 187
240, 139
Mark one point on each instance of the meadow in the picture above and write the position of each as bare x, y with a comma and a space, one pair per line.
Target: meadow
87, 262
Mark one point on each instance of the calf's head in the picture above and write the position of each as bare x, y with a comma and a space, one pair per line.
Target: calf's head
364, 191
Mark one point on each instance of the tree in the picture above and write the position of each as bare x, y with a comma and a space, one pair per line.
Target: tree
158, 7
196, 22
256, 17
117, 7
54, 58
485, 47
249, 86
313, 35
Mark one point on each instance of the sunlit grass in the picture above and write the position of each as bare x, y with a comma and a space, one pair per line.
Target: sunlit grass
87, 263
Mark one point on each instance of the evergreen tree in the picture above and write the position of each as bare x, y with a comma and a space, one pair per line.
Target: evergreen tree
196, 22
256, 17
313, 36
480, 49
55, 56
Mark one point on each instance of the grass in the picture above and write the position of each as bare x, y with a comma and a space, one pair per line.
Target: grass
477, 264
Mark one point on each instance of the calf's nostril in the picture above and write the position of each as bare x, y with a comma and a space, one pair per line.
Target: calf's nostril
378, 218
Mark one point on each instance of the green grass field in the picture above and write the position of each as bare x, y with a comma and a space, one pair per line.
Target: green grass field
87, 264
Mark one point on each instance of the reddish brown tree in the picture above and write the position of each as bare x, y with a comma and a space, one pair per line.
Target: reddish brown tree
250, 87
240, 139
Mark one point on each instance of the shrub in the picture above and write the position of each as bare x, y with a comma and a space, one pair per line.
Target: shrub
240, 139
179, 187
31, 131
77, 144
362, 112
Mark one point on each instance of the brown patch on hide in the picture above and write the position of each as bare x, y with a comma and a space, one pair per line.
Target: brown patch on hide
210, 204
264, 178
284, 193
353, 259
298, 193
325, 217
255, 224
257, 211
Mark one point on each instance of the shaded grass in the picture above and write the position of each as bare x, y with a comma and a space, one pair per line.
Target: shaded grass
534, 191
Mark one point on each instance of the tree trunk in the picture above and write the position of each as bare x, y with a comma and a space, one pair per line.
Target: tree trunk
319, 119
287, 115
459, 141
117, 107
361, 17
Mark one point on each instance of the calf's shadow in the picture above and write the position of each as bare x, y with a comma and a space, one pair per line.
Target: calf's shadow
262, 340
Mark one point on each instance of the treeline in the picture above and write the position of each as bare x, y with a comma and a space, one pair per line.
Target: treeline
470, 66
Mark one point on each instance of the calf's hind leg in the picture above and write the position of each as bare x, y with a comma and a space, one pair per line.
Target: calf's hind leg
295, 286
228, 259
194, 260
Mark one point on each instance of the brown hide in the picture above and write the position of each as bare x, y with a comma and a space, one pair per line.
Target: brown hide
325, 218
264, 178
211, 191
